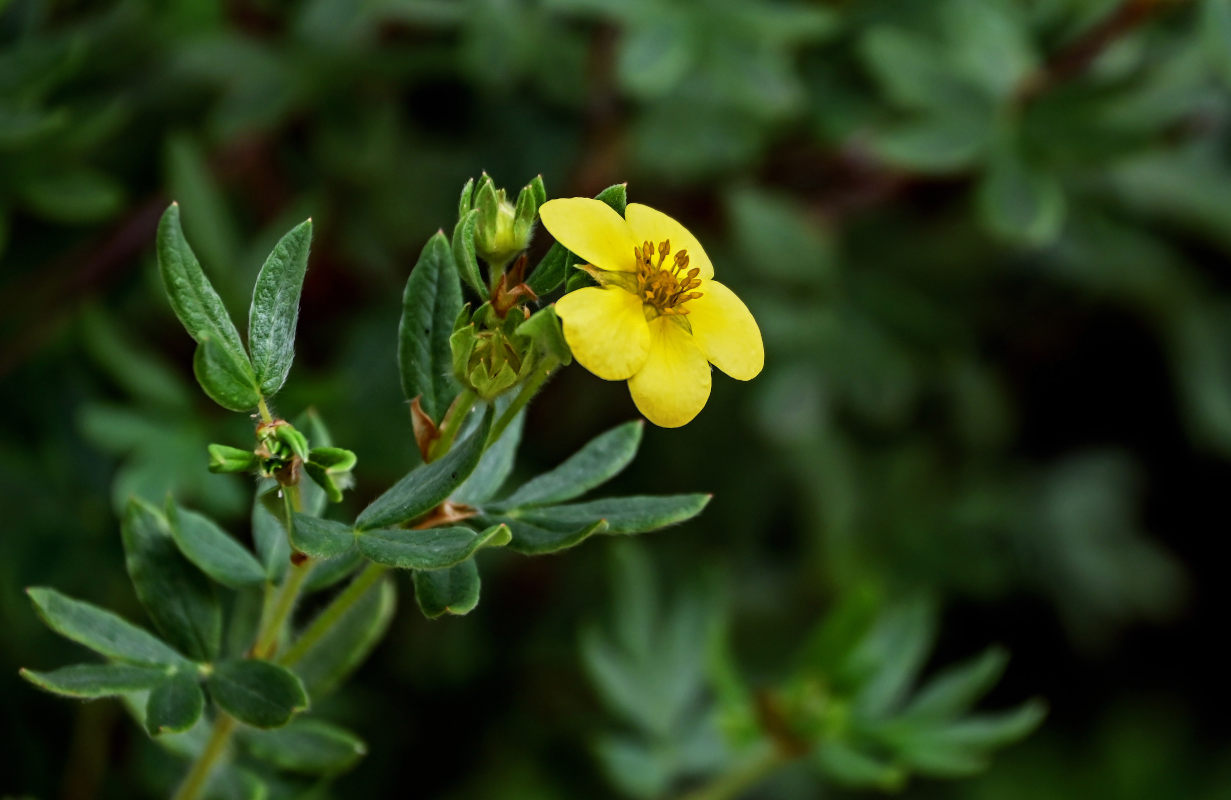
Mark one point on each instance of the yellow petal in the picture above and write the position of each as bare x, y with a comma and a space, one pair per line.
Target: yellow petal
591, 229
674, 384
648, 224
606, 330
726, 332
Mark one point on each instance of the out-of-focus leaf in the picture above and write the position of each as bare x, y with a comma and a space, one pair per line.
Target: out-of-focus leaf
622, 514
849, 766
1019, 203
87, 681
101, 630
307, 746
328, 661
75, 196
174, 705
953, 691
180, 600
207, 217
258, 693
269, 537
453, 590
935, 144
321, 538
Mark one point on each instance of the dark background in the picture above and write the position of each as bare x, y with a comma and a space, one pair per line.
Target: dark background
989, 264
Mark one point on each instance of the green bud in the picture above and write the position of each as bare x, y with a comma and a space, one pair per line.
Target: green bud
329, 468
545, 336
223, 458
463, 203
293, 439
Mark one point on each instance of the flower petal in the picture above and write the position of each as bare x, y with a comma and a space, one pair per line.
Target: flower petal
726, 332
655, 226
674, 384
591, 229
606, 330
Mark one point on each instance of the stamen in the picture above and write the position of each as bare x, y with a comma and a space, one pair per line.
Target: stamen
665, 288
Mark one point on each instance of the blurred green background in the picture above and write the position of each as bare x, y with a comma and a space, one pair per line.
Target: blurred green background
986, 241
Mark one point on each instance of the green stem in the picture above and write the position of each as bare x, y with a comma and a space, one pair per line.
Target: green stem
266, 642
263, 408
333, 612
195, 781
453, 423
528, 390
732, 784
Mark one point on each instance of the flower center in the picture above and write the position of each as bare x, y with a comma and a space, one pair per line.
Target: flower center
661, 285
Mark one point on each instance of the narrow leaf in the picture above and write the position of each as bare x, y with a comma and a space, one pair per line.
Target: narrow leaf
175, 704
535, 540
99, 630
96, 680
424, 487
331, 570
956, 689
321, 538
464, 254
635, 514
430, 305
307, 746
225, 376
181, 602
345, 645
448, 591
275, 308
554, 267
435, 548
596, 463
192, 296
494, 467
209, 547
258, 693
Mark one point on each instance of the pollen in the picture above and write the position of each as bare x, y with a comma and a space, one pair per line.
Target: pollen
665, 285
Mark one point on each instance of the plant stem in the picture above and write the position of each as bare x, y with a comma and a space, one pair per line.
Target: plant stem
266, 642
528, 390
333, 612
194, 782
730, 785
263, 408
453, 423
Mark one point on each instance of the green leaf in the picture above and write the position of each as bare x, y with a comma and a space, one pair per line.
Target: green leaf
599, 461
73, 195
454, 590
1020, 204
275, 308
225, 459
330, 659
180, 600
961, 747
913, 72
321, 538
209, 547
96, 680
258, 693
225, 376
545, 333
192, 297
495, 465
331, 570
851, 767
463, 202
209, 220
1215, 32
99, 630
891, 655
554, 267
307, 746
175, 704
635, 514
989, 42
430, 305
940, 143
957, 688
464, 256
533, 540
434, 548
424, 487
269, 536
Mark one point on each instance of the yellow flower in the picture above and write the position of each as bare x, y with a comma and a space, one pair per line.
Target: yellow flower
658, 319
